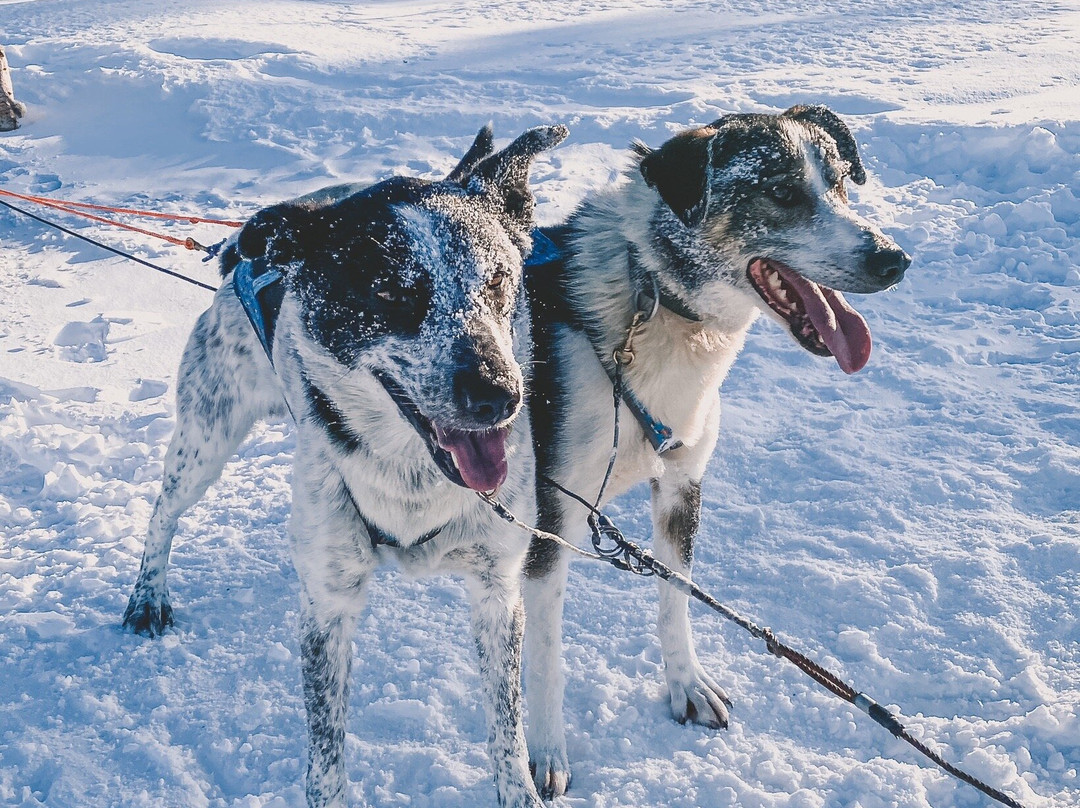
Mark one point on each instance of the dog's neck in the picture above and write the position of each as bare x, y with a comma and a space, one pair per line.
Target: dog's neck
631, 220
672, 352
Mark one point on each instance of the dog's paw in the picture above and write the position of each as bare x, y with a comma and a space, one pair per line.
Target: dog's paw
529, 800
699, 700
146, 615
515, 792
551, 772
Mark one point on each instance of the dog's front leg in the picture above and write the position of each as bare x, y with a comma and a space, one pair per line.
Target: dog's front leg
333, 567
498, 622
326, 658
676, 508
545, 591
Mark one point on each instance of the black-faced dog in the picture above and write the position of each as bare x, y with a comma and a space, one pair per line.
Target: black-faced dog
747, 214
388, 322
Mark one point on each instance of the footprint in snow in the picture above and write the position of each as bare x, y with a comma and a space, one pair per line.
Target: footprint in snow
45, 183
147, 388
83, 342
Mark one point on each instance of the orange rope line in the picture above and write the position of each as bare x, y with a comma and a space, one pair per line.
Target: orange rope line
103, 220
80, 208
63, 204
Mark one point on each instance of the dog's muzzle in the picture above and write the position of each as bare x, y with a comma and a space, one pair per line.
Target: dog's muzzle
474, 459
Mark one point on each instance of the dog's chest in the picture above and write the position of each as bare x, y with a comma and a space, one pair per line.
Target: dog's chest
588, 421
675, 379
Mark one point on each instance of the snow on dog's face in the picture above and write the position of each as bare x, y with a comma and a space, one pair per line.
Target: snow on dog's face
759, 203
417, 283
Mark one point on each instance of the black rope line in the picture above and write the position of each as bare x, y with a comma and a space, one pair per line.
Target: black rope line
121, 253
612, 546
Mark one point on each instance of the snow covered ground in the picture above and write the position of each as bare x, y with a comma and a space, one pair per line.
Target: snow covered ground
916, 526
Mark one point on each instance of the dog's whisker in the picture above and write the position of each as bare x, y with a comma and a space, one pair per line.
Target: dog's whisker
343, 376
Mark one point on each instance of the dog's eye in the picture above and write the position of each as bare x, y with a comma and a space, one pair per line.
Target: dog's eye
785, 195
497, 279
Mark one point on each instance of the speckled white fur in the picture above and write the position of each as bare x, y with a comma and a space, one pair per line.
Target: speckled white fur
679, 367
385, 474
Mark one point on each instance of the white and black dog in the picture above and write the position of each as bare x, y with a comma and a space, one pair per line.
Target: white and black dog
388, 320
747, 214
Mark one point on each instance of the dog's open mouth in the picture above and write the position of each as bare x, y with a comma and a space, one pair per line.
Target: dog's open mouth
473, 459
479, 457
819, 317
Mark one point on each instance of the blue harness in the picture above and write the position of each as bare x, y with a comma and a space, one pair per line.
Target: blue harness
660, 435
256, 284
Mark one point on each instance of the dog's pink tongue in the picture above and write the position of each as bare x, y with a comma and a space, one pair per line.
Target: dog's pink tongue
480, 457
843, 329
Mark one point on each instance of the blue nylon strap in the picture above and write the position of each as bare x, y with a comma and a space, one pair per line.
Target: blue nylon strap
659, 434
250, 278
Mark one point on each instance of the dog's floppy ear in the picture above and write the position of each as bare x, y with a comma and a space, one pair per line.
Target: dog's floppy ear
483, 146
274, 233
678, 171
828, 120
506, 173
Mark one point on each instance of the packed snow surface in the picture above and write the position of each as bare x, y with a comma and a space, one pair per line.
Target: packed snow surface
915, 526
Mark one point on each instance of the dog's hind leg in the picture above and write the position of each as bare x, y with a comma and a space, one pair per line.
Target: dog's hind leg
498, 623
676, 508
222, 388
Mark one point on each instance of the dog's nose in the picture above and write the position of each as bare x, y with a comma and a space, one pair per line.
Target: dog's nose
887, 265
489, 404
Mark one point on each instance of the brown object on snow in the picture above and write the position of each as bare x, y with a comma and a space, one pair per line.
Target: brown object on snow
10, 109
